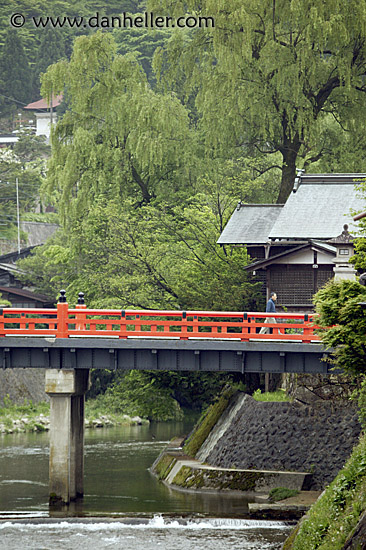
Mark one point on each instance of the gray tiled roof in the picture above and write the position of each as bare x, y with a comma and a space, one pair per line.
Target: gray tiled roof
319, 208
250, 224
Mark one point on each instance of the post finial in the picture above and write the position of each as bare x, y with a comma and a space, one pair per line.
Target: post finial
81, 298
62, 297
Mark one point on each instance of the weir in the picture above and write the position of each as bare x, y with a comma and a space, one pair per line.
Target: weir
67, 343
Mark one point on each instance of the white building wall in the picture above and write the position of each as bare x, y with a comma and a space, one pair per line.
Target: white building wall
307, 257
44, 123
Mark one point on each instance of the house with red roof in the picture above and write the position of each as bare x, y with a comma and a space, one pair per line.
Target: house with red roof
45, 113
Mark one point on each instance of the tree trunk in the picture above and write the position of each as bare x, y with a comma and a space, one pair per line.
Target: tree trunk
144, 190
289, 155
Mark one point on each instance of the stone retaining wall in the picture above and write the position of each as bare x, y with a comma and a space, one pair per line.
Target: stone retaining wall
285, 436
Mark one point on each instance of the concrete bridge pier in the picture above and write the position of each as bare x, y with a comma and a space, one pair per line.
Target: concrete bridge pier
66, 389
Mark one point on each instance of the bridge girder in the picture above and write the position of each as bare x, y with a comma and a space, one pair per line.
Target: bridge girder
164, 354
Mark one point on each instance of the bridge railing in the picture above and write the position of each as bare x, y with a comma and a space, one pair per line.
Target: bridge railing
80, 321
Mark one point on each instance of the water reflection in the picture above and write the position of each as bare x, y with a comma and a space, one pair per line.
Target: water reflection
117, 479
137, 511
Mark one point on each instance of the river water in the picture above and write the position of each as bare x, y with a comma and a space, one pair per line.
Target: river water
124, 506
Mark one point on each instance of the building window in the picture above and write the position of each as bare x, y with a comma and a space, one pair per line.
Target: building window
296, 285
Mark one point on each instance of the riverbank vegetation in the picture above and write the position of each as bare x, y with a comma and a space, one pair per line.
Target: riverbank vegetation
34, 417
334, 516
28, 417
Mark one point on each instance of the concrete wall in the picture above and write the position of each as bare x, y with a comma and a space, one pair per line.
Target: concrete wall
22, 384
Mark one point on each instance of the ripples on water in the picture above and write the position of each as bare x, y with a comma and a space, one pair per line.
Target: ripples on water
137, 533
124, 506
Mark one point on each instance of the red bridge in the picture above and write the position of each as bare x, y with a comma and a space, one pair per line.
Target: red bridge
231, 341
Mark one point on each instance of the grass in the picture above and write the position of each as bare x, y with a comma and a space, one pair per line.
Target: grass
336, 513
100, 407
11, 410
276, 396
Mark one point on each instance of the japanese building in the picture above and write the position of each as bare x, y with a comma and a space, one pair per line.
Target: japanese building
294, 245
45, 113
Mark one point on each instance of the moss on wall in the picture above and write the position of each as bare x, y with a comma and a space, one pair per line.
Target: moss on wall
164, 466
196, 478
207, 422
189, 478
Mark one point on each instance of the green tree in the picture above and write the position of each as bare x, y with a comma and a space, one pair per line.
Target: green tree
146, 258
142, 42
15, 88
32, 149
268, 73
118, 137
343, 321
139, 392
28, 174
51, 49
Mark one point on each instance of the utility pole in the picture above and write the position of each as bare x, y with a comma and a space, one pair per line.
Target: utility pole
18, 222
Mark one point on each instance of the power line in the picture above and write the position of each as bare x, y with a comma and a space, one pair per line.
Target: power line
21, 102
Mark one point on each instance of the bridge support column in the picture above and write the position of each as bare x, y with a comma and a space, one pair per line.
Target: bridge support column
66, 389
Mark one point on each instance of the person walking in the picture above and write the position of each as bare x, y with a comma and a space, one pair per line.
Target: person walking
270, 308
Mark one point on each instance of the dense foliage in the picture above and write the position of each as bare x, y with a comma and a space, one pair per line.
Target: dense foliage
22, 164
344, 323
271, 75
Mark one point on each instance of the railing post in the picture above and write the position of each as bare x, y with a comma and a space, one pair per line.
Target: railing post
80, 317
2, 324
184, 331
123, 331
308, 330
195, 325
245, 331
62, 316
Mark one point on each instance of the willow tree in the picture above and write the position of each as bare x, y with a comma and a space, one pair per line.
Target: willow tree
269, 71
118, 138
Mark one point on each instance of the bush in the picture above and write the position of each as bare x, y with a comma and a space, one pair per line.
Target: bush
138, 393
